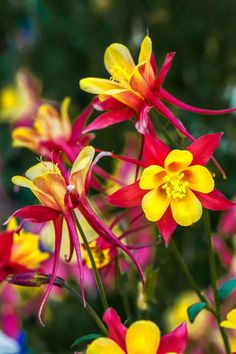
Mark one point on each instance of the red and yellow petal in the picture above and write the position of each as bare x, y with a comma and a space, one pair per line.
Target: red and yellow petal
199, 178
186, 211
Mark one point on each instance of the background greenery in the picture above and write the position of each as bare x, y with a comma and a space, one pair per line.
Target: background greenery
62, 41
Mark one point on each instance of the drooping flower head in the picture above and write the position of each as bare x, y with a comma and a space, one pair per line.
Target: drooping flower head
134, 88
174, 185
141, 337
59, 196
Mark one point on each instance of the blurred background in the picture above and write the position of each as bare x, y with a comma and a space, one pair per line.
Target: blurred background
60, 42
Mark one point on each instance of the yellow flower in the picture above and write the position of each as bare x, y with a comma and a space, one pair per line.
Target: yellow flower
126, 83
141, 337
230, 321
174, 185
26, 249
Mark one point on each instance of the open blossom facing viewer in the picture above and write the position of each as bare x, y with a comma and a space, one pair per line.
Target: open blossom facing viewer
134, 89
141, 337
174, 185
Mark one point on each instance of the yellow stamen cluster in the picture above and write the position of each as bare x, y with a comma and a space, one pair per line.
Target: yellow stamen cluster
175, 186
120, 75
101, 256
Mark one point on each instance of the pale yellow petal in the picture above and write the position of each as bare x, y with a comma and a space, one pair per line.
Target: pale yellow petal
81, 166
186, 211
152, 177
145, 50
177, 160
118, 60
98, 86
66, 123
40, 169
228, 324
154, 204
104, 346
231, 316
199, 178
22, 182
143, 337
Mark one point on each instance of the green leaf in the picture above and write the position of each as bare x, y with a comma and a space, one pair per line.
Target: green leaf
226, 288
195, 309
86, 338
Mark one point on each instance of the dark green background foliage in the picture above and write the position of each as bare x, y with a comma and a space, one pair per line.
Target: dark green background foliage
62, 41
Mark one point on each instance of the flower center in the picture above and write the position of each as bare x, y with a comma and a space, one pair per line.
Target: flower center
120, 75
101, 256
175, 186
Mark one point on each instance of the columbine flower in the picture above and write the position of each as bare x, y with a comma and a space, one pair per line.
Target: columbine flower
137, 88
140, 337
19, 251
230, 321
174, 185
19, 102
59, 196
53, 131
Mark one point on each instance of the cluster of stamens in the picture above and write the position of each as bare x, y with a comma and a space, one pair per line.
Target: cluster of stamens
101, 256
175, 186
119, 75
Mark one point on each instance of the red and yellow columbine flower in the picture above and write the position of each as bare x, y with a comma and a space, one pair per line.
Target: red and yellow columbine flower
59, 196
230, 321
174, 185
19, 251
140, 337
53, 131
134, 88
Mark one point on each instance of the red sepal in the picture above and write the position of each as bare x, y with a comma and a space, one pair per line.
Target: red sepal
204, 147
129, 196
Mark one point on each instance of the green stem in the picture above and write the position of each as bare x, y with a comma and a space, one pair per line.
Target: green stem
122, 292
213, 275
165, 134
183, 266
88, 308
94, 267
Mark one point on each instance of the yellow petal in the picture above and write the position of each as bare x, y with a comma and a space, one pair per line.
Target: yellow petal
66, 124
22, 182
25, 137
199, 179
12, 224
154, 204
143, 337
118, 60
98, 86
104, 346
50, 189
81, 166
177, 160
186, 211
231, 320
228, 324
40, 169
145, 50
152, 177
